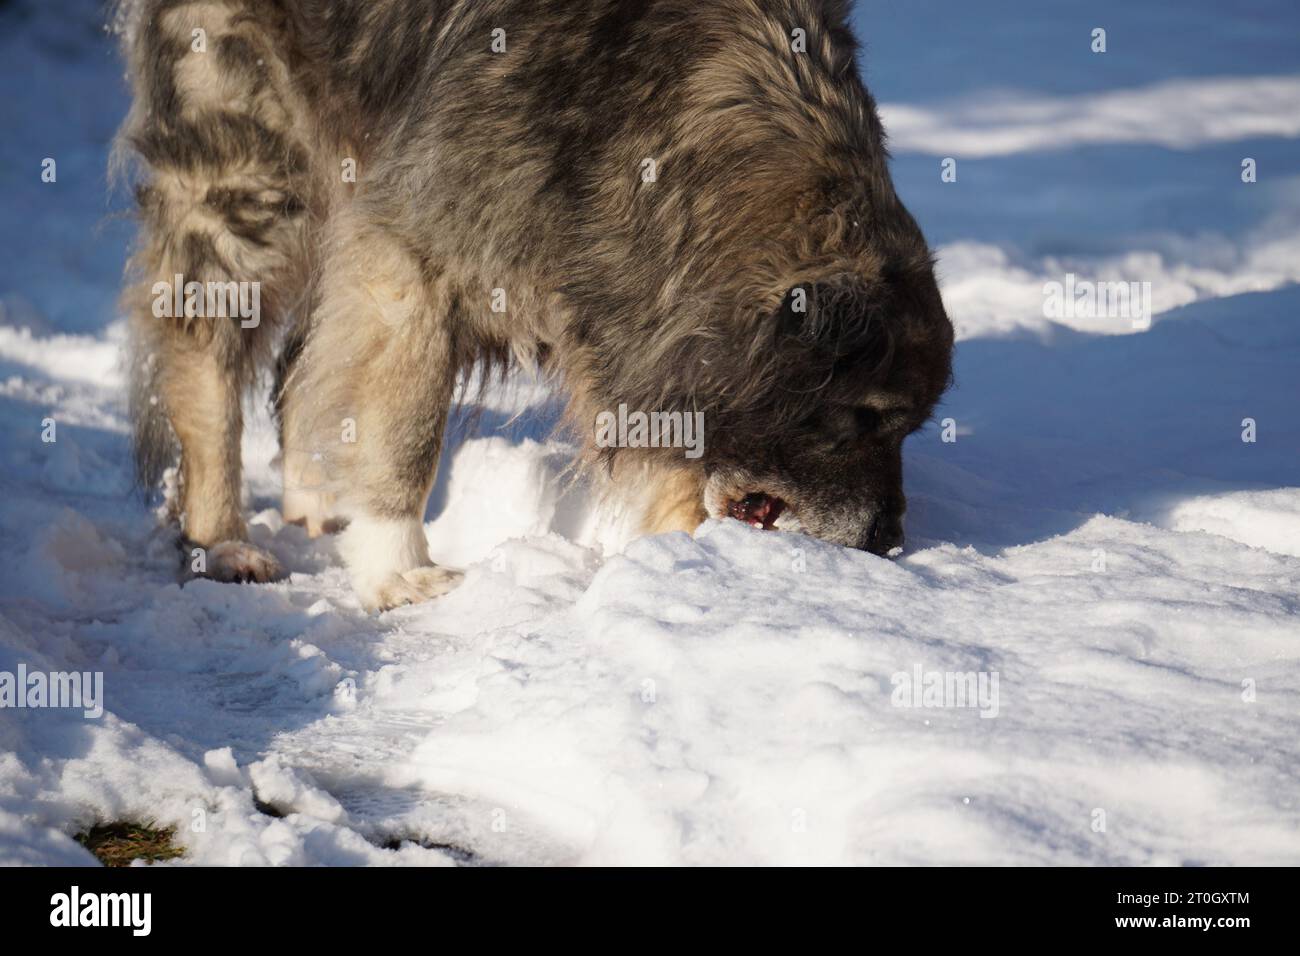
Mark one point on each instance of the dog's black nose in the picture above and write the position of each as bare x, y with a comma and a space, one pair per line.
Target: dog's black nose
884, 534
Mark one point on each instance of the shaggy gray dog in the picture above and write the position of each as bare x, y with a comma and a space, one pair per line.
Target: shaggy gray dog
676, 207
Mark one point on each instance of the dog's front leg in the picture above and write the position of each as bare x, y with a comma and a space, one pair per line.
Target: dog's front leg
367, 402
668, 499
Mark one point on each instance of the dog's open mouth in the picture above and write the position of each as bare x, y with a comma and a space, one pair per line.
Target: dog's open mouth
757, 509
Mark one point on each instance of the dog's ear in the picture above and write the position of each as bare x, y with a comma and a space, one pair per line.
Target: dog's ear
837, 317
793, 313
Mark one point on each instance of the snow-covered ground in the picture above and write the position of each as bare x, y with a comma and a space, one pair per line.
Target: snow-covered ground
1098, 536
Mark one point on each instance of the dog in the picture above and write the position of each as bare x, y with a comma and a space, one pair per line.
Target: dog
673, 207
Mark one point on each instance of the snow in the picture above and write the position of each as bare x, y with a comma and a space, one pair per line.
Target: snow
1179, 114
1099, 536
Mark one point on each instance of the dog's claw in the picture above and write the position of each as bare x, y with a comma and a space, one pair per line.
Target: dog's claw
412, 587
238, 562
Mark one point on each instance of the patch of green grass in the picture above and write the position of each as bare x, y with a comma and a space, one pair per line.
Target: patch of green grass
118, 844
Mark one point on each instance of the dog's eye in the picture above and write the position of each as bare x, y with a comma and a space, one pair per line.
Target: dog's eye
867, 420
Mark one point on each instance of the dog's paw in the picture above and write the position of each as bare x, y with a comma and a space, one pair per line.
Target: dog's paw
409, 587
238, 562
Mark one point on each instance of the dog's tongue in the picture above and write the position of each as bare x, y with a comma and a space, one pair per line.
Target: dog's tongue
757, 509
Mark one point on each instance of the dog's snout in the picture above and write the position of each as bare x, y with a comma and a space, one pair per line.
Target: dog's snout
885, 531
884, 535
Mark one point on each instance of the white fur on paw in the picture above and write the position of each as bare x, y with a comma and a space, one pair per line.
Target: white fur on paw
411, 587
241, 563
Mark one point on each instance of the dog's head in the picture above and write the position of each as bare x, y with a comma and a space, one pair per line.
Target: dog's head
857, 363
788, 298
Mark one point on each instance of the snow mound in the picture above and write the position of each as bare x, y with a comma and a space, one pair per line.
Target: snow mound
1261, 519
1178, 114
